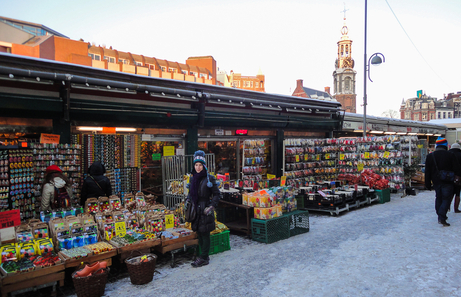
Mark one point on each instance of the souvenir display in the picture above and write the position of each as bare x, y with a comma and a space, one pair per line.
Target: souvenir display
256, 161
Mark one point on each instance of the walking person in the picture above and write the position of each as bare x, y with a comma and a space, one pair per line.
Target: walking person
439, 160
96, 184
456, 149
204, 193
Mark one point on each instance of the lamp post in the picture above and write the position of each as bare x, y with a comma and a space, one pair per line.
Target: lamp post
374, 59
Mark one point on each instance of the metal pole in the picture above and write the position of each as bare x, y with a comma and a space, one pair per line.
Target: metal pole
365, 77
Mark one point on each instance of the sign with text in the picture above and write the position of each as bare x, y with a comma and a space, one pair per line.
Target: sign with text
283, 180
120, 229
169, 221
49, 138
168, 150
10, 218
270, 176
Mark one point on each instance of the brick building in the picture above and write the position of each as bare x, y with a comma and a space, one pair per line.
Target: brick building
425, 108
35, 40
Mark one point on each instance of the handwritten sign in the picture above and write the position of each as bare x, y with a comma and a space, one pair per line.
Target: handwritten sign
283, 180
270, 176
169, 221
168, 150
10, 218
120, 229
49, 138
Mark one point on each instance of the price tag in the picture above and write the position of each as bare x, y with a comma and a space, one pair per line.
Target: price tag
317, 157
169, 221
283, 180
366, 155
270, 176
120, 229
297, 158
327, 156
386, 155
306, 157
342, 156
360, 167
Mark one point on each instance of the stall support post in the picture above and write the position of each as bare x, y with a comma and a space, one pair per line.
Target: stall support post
62, 128
191, 141
278, 164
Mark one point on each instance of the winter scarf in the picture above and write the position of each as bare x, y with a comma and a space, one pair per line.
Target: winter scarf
196, 178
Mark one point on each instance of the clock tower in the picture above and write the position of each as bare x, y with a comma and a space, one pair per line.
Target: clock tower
344, 74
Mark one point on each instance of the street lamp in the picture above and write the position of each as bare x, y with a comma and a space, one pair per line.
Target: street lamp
374, 59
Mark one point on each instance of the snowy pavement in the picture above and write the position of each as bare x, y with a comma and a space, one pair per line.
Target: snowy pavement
391, 249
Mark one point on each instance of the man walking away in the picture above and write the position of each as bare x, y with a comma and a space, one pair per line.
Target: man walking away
441, 159
456, 149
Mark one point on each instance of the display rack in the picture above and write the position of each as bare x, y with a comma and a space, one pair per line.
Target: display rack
174, 170
255, 160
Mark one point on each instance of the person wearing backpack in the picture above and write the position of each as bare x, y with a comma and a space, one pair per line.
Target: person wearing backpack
204, 194
96, 184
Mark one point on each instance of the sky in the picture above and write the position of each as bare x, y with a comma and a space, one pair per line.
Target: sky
286, 39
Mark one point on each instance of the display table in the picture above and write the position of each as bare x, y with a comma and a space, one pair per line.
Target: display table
144, 247
49, 275
240, 225
107, 256
177, 245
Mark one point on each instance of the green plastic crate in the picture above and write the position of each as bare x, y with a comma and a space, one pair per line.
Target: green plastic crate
299, 222
269, 231
300, 201
218, 243
384, 195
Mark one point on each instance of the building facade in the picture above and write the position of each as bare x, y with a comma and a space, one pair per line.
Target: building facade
425, 108
35, 40
344, 76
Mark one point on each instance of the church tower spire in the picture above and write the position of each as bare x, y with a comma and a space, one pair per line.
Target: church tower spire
344, 74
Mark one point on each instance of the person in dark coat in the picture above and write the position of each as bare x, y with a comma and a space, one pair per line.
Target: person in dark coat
96, 184
205, 194
441, 159
456, 149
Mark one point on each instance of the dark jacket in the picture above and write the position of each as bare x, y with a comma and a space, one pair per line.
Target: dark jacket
96, 184
206, 197
446, 160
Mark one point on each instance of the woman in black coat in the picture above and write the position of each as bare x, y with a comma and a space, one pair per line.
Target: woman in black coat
204, 193
96, 184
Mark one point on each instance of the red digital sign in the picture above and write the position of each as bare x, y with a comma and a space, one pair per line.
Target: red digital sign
241, 132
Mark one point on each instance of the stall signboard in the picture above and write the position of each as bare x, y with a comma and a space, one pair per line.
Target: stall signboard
156, 157
49, 138
169, 221
10, 218
219, 132
120, 228
168, 150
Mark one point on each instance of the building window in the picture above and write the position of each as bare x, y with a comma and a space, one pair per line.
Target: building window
138, 63
172, 70
95, 57
123, 61
424, 116
236, 83
444, 115
256, 85
163, 68
150, 66
432, 116
438, 115
449, 115
184, 72
109, 59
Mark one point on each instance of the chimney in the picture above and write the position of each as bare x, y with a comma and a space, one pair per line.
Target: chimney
327, 90
299, 83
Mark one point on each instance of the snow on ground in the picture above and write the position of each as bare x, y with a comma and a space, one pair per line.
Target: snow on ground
391, 249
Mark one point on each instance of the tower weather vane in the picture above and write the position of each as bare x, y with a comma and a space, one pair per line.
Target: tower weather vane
344, 11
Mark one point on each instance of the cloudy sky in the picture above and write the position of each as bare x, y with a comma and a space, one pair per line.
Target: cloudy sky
286, 39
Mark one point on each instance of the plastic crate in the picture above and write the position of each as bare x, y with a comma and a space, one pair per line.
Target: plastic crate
300, 201
218, 243
272, 230
299, 222
384, 195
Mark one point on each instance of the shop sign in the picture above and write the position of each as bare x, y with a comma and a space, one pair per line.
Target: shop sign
228, 133
10, 218
156, 157
49, 138
219, 132
108, 130
169, 221
168, 150
241, 132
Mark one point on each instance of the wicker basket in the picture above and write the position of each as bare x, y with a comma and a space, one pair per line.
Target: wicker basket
93, 285
141, 267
